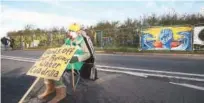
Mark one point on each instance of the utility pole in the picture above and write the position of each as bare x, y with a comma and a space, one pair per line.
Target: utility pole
21, 39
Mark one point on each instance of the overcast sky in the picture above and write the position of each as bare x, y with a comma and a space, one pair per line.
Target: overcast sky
48, 13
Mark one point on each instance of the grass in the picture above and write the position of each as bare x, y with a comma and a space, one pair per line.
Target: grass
136, 50
117, 49
126, 50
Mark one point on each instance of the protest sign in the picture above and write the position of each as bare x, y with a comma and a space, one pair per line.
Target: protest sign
52, 63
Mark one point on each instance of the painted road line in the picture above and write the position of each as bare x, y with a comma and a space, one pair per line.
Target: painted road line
115, 71
175, 77
18, 57
153, 75
153, 71
130, 72
132, 69
126, 72
188, 85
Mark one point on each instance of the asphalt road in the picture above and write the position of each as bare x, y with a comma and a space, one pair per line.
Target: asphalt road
109, 88
174, 63
113, 87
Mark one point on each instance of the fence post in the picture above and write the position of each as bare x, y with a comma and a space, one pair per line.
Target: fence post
140, 40
21, 40
101, 37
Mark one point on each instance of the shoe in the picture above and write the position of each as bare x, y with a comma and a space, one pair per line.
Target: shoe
60, 95
50, 88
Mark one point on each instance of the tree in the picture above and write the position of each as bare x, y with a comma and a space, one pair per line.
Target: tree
124, 33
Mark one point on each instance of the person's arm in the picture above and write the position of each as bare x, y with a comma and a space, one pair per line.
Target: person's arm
79, 58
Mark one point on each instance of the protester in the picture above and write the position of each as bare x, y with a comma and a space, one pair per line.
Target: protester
75, 39
5, 42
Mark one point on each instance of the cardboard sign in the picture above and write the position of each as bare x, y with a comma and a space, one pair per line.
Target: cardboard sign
52, 63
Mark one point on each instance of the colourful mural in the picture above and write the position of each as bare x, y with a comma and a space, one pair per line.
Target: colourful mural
167, 38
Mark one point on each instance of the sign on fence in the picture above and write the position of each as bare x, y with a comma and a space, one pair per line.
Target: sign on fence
198, 37
52, 63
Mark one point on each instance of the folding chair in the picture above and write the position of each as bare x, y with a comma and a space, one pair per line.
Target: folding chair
88, 70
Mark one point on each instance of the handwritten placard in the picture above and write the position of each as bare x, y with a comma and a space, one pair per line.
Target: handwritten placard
52, 63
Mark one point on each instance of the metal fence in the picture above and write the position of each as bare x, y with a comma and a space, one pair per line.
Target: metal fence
124, 37
108, 38
35, 40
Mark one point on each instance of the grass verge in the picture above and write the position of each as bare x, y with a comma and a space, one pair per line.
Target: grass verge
128, 50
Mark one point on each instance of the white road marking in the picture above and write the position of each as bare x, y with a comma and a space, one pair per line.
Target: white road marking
176, 77
155, 75
153, 71
118, 70
12, 57
188, 85
18, 59
125, 72
122, 68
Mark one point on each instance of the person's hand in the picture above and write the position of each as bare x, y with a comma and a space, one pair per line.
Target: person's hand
74, 59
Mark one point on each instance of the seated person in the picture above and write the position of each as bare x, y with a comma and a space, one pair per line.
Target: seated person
82, 54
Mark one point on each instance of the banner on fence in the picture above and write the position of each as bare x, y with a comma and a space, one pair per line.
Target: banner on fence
198, 37
167, 38
52, 63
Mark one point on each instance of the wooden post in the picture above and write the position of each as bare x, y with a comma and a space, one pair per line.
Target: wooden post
73, 81
28, 91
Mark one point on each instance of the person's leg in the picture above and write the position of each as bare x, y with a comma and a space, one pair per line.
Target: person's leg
5, 47
49, 88
60, 91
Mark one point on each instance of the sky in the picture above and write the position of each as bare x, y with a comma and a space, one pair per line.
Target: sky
61, 13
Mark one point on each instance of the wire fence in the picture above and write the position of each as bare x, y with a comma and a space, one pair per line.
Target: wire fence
108, 38
125, 37
36, 40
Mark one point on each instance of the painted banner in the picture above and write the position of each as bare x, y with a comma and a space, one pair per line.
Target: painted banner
52, 63
167, 38
198, 37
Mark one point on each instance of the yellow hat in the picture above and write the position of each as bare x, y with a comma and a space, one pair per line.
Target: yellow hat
74, 27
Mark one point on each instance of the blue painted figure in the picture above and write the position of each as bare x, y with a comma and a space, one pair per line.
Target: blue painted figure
166, 37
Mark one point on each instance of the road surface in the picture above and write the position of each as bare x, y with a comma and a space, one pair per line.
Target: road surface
115, 87
169, 63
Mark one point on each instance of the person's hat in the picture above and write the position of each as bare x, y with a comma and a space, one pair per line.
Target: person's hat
74, 27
